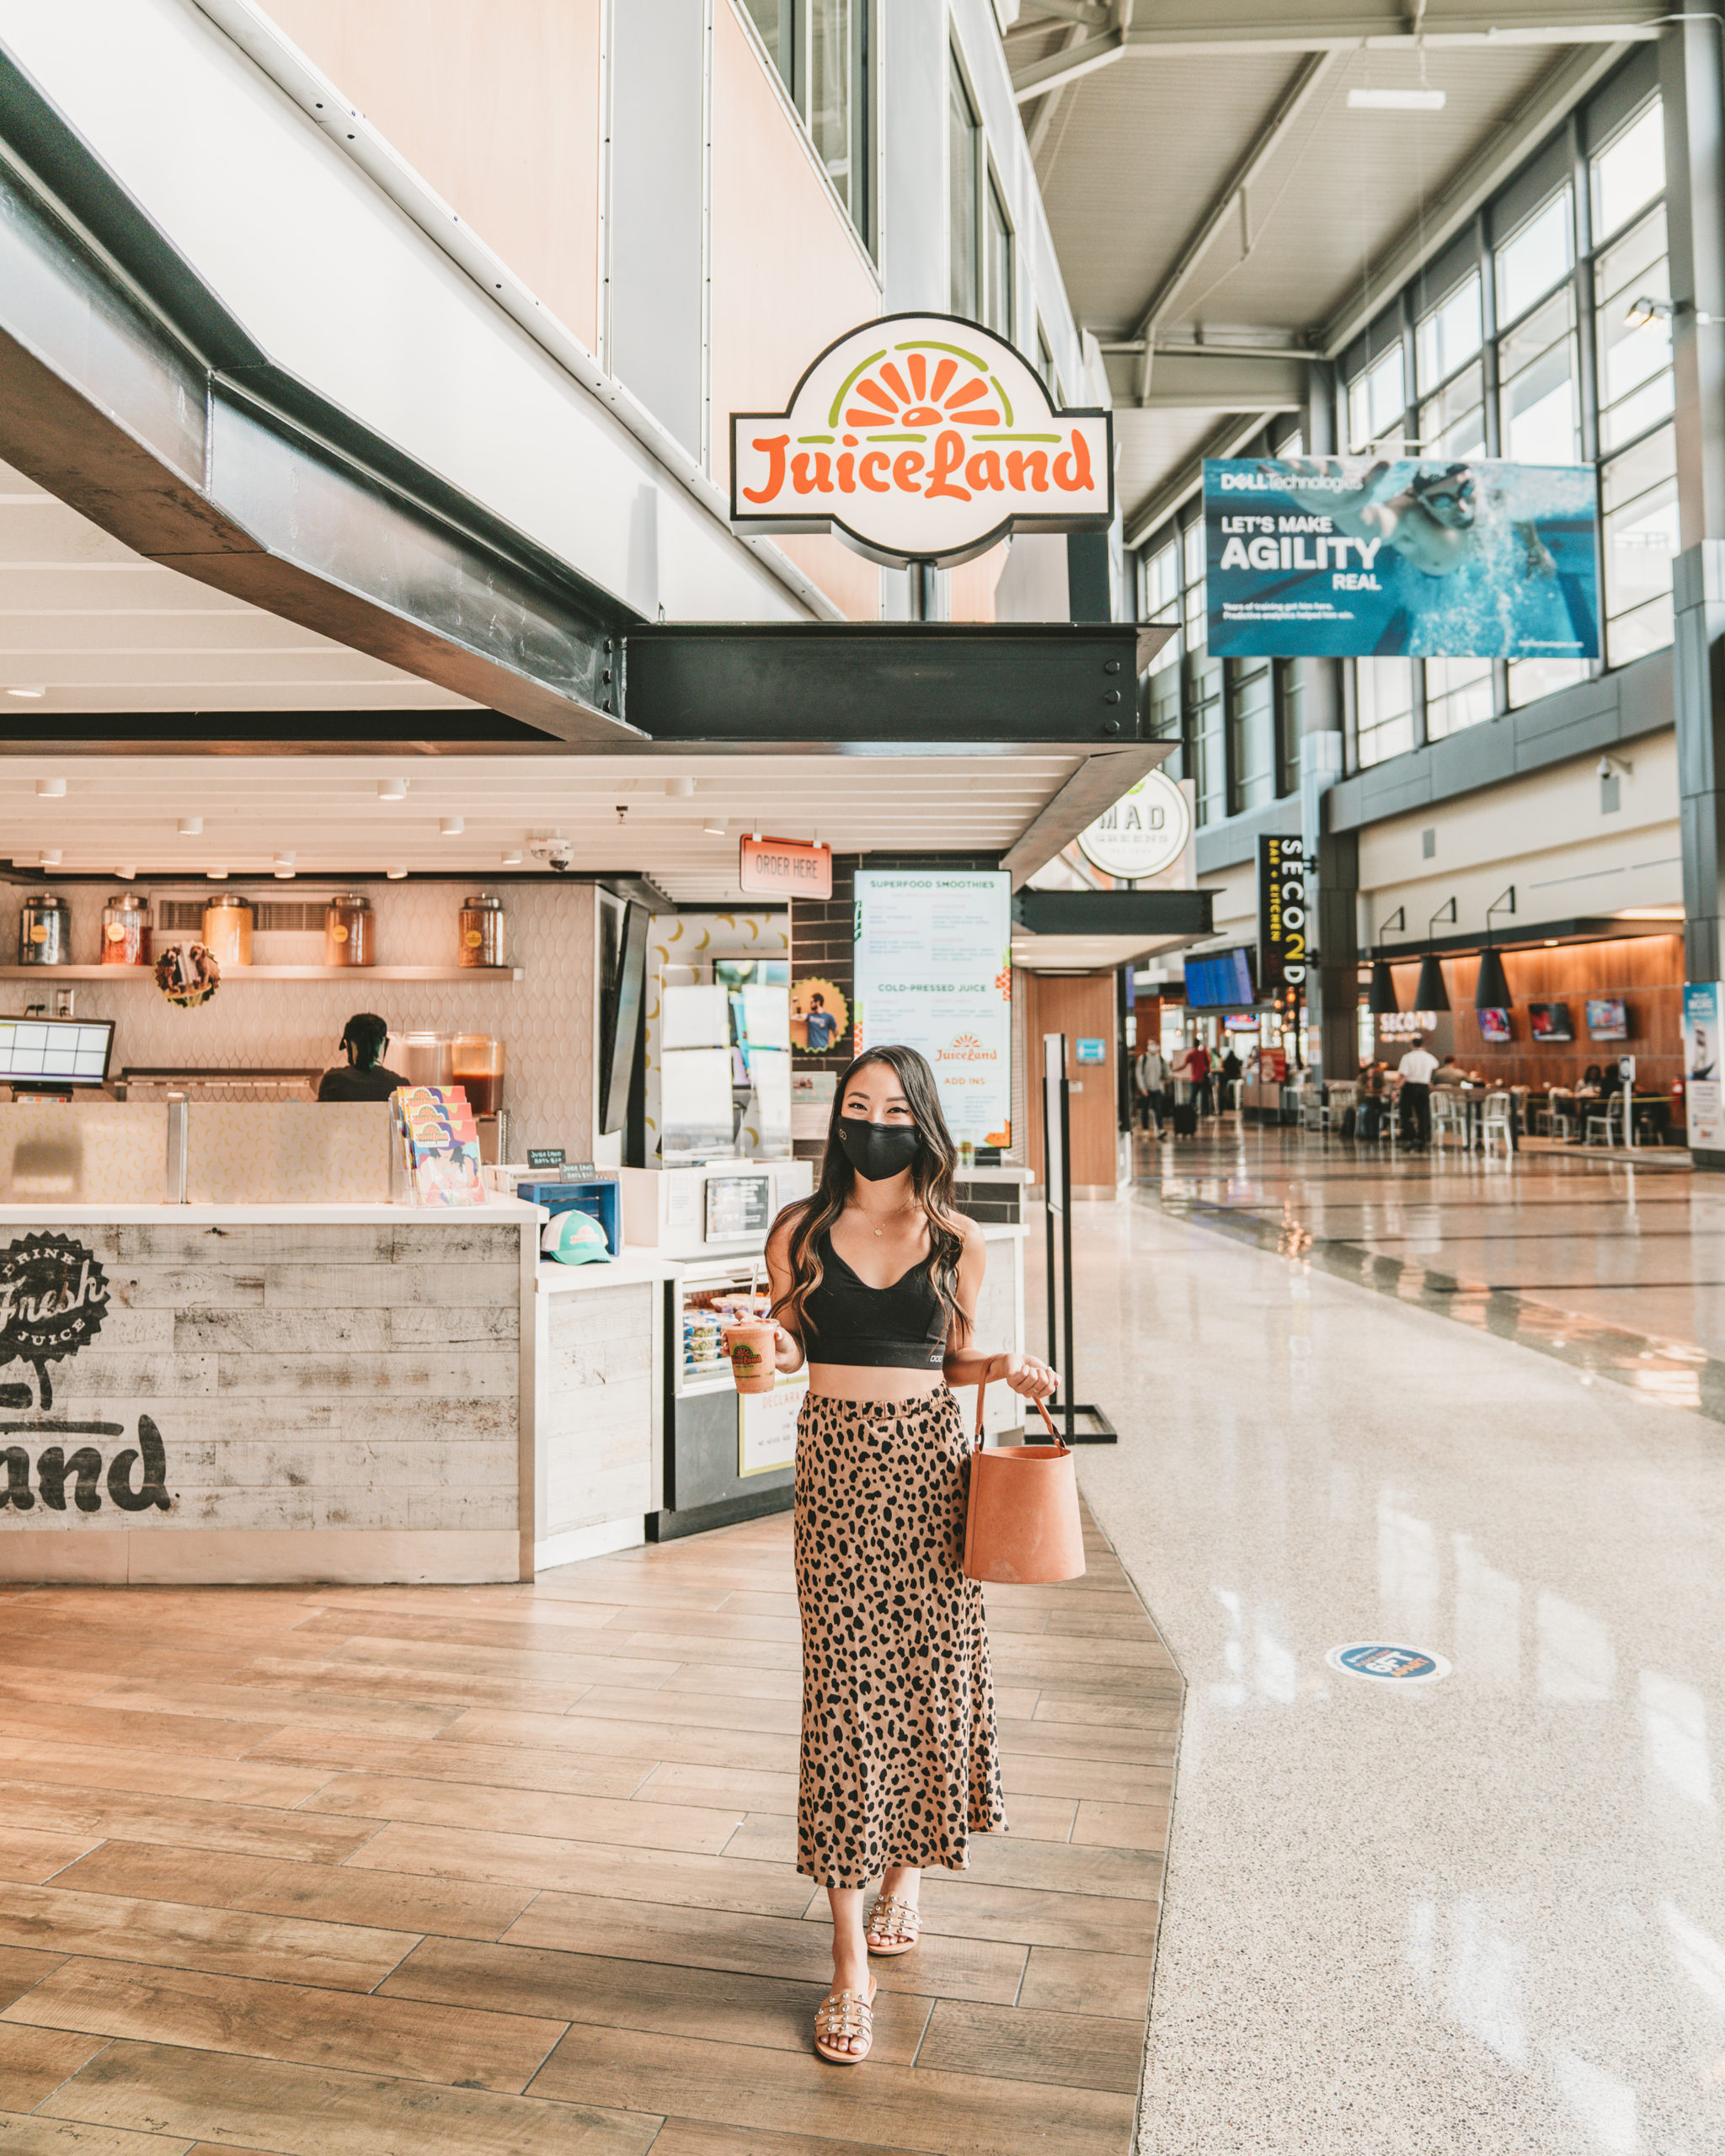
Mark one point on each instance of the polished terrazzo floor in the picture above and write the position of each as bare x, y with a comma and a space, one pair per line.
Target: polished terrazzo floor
1485, 1913
1614, 1267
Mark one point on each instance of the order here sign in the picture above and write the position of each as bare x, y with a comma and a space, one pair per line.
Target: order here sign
921, 438
786, 869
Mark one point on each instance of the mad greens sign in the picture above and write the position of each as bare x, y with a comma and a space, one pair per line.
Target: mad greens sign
921, 438
1144, 833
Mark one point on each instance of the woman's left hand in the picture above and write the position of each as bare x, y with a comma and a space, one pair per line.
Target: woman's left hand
1025, 1374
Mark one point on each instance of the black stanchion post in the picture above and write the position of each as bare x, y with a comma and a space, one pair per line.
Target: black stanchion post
1057, 1183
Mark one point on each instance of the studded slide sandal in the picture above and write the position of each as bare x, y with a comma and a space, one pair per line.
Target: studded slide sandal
841, 2020
894, 1924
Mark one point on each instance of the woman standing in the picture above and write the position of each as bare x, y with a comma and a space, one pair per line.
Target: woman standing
876, 1278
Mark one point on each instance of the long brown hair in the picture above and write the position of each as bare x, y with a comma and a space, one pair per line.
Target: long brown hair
930, 1180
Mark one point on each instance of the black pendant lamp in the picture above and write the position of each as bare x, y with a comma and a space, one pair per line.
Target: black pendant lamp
1431, 995
1491, 991
1380, 998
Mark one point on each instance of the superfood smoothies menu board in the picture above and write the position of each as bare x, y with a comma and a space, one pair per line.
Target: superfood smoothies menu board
934, 972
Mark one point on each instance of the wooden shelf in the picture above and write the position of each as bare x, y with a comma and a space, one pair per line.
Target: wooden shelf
119, 973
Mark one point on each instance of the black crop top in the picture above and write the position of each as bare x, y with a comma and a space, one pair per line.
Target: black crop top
897, 1328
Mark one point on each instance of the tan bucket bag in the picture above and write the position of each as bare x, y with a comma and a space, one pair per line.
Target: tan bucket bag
1021, 1526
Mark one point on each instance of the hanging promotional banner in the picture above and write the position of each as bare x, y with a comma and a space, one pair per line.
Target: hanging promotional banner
934, 972
1358, 557
1703, 1006
921, 438
1145, 832
1283, 944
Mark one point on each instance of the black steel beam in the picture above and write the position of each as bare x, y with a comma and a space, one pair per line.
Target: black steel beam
1587, 928
128, 390
811, 684
1161, 912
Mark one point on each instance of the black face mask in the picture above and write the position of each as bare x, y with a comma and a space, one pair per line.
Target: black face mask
877, 1151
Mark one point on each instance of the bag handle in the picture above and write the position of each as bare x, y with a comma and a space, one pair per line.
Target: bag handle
1042, 1409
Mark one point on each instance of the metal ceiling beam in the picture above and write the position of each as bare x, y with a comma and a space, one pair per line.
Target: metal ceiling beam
1091, 14
1068, 65
1161, 911
1226, 441
1099, 782
1550, 102
1227, 381
1175, 28
128, 390
1226, 206
797, 685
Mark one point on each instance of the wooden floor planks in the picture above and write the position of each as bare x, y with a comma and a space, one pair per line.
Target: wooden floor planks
496, 1871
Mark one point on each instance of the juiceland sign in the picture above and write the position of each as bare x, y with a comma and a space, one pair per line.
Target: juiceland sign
921, 438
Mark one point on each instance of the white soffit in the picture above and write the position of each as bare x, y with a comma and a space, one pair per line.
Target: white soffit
327, 811
98, 628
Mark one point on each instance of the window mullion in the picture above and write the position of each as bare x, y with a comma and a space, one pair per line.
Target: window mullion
1488, 325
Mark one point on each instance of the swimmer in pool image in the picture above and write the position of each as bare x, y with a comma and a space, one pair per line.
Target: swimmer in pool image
1432, 521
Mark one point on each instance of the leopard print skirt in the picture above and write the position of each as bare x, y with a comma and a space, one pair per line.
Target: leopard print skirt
899, 1762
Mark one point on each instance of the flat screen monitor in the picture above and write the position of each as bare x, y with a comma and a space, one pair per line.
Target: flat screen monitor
1549, 1022
1221, 980
1240, 1023
1606, 1018
1494, 1025
55, 1051
620, 1023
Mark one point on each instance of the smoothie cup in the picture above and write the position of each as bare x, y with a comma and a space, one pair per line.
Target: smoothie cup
752, 1350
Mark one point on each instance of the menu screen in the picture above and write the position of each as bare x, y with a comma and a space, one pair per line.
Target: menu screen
55, 1051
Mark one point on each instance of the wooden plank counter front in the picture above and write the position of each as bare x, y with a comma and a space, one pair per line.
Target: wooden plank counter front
232, 1393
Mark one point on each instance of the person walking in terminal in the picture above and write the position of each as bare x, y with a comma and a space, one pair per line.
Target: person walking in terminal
1151, 1076
1417, 1069
875, 1278
1198, 1069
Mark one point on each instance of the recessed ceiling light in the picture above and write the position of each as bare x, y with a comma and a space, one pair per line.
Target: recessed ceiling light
1396, 100
392, 789
452, 827
679, 789
191, 827
50, 789
395, 875
512, 860
27, 692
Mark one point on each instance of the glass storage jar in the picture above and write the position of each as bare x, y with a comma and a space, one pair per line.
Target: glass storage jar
45, 931
126, 930
348, 930
227, 929
477, 1064
423, 1058
483, 923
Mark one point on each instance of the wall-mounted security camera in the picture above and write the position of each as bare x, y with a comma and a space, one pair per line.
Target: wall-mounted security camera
554, 850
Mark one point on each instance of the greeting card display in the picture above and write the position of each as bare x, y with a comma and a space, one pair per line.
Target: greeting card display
437, 1145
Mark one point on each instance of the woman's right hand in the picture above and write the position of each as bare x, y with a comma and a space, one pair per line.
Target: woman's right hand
786, 1349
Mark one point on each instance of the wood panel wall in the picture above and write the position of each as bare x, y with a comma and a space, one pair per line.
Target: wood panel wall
1646, 971
1073, 1004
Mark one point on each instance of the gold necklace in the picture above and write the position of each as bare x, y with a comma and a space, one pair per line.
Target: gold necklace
891, 1217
